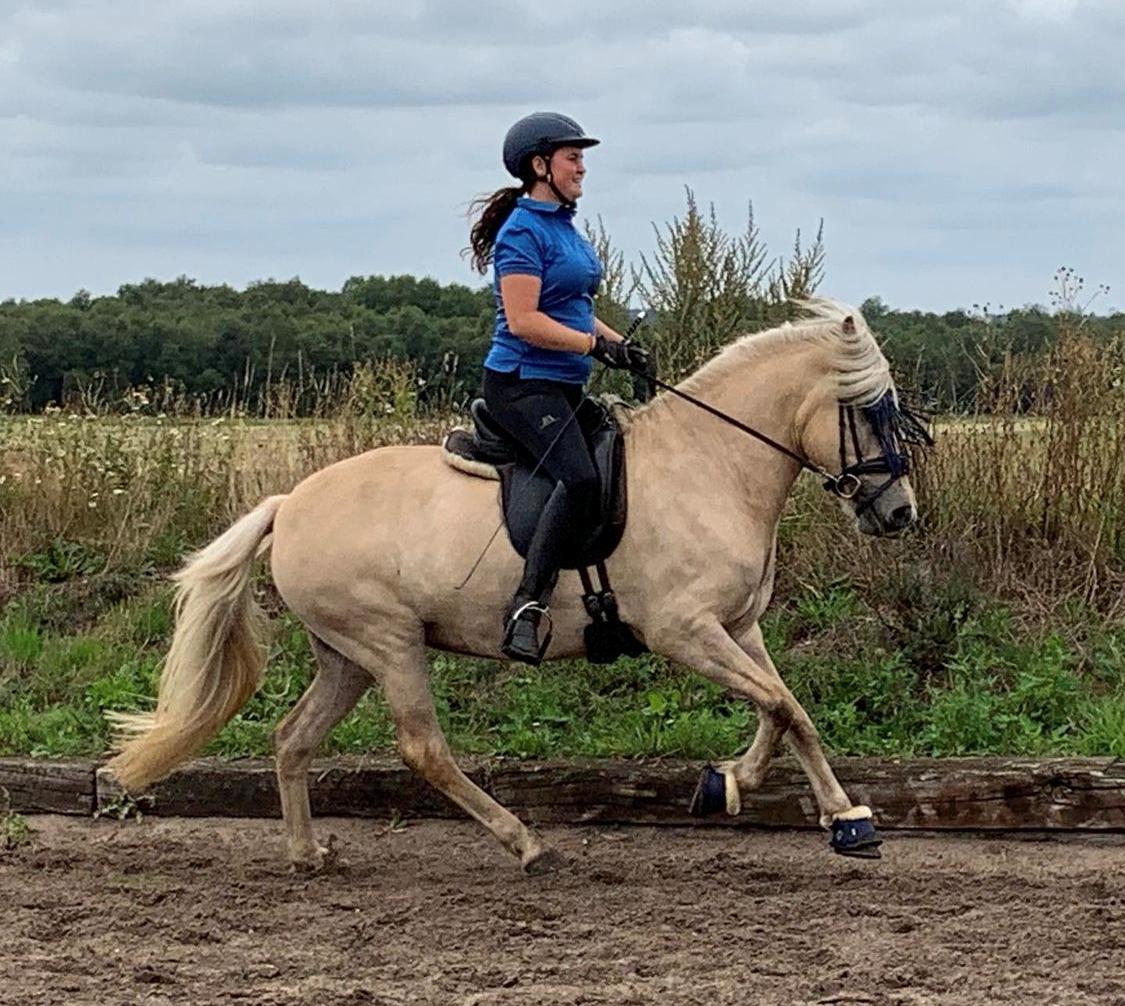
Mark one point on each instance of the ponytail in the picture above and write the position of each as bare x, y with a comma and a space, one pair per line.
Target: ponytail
494, 210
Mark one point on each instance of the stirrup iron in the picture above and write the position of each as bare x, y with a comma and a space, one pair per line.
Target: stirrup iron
509, 629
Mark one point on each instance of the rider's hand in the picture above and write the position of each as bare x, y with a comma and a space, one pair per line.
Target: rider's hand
638, 356
614, 353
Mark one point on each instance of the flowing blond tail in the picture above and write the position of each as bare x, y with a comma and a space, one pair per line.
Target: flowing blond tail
215, 661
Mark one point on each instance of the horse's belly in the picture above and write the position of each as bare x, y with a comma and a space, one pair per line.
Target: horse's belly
471, 621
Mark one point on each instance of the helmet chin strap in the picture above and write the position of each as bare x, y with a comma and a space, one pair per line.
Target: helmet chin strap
549, 178
568, 203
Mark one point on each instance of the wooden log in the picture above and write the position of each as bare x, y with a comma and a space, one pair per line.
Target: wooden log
581, 791
947, 793
1084, 794
374, 786
380, 787
1006, 794
42, 786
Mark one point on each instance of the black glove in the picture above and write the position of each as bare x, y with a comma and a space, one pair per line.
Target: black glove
638, 356
614, 354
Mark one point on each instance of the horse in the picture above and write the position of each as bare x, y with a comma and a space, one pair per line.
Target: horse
370, 553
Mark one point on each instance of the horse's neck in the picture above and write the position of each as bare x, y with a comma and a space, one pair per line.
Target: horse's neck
765, 393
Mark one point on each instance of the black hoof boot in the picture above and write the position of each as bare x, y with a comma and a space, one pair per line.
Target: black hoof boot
856, 838
521, 634
710, 796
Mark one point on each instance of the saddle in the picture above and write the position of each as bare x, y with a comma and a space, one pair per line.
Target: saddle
486, 451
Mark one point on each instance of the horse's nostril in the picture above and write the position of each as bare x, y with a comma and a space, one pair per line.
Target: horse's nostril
901, 516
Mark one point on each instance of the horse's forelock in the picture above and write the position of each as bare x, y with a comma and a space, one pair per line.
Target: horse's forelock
863, 375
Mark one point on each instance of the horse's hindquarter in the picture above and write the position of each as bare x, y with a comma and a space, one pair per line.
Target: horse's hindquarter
392, 523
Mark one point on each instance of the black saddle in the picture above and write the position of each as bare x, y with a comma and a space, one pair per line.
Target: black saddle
524, 494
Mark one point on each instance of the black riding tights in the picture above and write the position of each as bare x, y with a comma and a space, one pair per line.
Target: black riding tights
537, 414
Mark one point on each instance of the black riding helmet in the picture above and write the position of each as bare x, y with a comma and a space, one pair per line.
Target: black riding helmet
541, 133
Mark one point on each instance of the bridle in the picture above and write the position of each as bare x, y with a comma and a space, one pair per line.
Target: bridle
891, 461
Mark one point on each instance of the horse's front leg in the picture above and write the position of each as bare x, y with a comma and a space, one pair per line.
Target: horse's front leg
749, 771
747, 670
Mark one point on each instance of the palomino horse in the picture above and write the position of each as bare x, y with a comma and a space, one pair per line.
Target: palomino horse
370, 554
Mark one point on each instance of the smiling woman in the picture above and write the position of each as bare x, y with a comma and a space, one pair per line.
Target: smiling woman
545, 277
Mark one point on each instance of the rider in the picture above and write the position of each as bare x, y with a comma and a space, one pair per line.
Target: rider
545, 277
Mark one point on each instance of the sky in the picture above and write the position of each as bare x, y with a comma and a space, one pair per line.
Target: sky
958, 151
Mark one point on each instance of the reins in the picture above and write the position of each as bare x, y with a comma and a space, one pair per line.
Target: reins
845, 485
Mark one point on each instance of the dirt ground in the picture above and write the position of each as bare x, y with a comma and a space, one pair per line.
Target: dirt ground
203, 911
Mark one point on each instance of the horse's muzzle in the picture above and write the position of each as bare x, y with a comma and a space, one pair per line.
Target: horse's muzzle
899, 519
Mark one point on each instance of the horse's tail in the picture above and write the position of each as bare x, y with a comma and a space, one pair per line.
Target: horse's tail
215, 661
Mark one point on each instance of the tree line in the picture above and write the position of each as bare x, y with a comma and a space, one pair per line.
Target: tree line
699, 288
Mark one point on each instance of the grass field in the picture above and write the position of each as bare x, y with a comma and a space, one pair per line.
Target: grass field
997, 627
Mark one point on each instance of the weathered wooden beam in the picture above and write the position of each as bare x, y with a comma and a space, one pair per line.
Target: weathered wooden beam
1083, 794
992, 793
375, 786
927, 793
380, 787
48, 786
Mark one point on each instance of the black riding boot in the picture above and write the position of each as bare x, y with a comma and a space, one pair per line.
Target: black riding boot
528, 609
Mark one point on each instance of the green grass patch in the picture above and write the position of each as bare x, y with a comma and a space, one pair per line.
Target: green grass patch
961, 676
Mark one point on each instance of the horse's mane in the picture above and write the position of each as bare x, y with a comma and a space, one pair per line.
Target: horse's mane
861, 372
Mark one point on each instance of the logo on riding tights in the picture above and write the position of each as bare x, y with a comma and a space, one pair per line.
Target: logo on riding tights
547, 420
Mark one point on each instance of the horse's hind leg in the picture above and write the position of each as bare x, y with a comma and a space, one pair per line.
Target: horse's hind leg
335, 690
424, 748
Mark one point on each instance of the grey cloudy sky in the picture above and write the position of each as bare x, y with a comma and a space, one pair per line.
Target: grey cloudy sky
958, 150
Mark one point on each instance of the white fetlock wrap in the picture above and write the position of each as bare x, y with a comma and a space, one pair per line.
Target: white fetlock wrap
859, 813
734, 798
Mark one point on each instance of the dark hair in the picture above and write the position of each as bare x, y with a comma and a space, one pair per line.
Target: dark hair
494, 210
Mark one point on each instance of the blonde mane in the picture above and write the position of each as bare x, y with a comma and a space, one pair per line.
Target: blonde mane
862, 374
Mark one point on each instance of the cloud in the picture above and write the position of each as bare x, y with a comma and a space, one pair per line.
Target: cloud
236, 138
1044, 10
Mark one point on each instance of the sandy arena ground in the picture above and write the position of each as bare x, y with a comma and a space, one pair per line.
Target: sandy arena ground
202, 911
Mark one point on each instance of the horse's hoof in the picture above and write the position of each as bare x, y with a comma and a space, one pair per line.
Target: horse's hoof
710, 796
319, 859
314, 862
855, 837
547, 861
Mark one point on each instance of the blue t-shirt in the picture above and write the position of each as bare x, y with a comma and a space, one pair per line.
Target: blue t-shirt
539, 239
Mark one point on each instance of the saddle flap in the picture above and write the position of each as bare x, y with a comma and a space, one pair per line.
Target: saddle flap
524, 496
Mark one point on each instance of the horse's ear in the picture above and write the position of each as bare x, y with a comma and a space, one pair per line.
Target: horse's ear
849, 325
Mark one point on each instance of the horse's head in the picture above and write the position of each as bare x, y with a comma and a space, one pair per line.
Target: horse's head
856, 429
